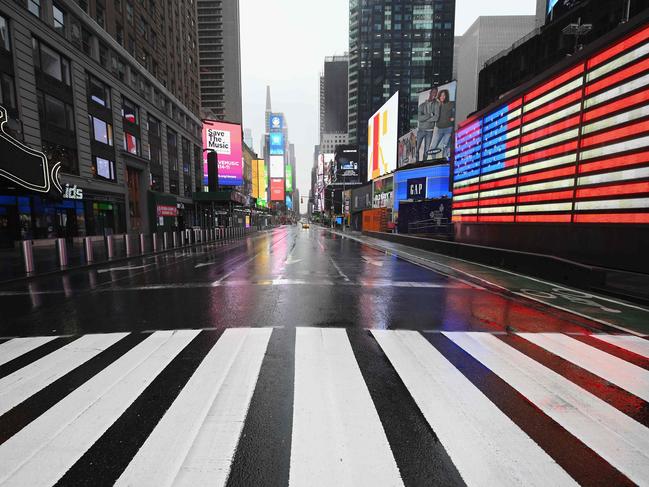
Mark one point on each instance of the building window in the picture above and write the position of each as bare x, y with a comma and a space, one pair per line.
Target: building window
155, 142
156, 182
60, 153
58, 18
100, 15
131, 144
119, 34
34, 6
186, 154
129, 12
103, 168
172, 150
7, 92
4, 34
98, 92
130, 111
86, 41
51, 62
173, 186
102, 131
55, 112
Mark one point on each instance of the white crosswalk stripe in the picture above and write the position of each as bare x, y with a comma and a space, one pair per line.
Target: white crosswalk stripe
338, 434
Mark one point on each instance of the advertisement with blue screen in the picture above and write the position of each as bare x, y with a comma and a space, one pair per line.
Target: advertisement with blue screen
276, 142
436, 183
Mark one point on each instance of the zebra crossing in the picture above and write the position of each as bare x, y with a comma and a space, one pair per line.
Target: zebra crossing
354, 407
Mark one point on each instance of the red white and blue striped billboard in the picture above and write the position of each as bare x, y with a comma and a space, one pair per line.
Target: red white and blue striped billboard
572, 149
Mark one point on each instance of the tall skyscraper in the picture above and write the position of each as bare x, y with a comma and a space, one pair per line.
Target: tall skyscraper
220, 59
333, 102
396, 45
486, 37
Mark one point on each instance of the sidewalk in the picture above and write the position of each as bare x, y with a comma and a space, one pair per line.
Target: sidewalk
607, 311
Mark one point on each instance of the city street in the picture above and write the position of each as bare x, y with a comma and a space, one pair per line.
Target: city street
307, 357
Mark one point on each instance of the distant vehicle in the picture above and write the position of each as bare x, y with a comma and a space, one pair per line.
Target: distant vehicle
305, 225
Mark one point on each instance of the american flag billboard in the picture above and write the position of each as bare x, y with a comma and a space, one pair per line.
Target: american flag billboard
572, 149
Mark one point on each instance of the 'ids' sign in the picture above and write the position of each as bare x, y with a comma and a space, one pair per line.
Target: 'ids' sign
417, 189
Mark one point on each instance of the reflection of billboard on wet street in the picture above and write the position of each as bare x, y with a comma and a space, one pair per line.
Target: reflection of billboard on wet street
382, 134
435, 123
224, 139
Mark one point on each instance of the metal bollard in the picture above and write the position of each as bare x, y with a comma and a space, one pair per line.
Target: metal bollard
62, 252
28, 256
165, 240
128, 245
142, 244
205, 235
213, 232
154, 242
110, 247
174, 239
182, 239
88, 250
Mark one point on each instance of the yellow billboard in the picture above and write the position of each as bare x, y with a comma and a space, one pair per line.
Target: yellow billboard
255, 178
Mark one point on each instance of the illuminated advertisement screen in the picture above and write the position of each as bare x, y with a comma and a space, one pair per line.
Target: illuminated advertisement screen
276, 142
277, 189
276, 121
289, 202
255, 178
382, 138
436, 177
263, 183
225, 139
276, 166
435, 124
289, 178
328, 165
572, 149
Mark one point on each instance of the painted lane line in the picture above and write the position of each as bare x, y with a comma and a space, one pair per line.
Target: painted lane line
617, 438
484, 444
18, 346
371, 261
337, 435
41, 453
18, 386
124, 268
630, 343
628, 376
195, 441
339, 270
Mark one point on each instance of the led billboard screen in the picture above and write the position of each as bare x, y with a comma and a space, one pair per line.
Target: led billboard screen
225, 139
276, 121
276, 166
289, 178
255, 178
435, 123
382, 135
262, 200
572, 149
277, 189
276, 142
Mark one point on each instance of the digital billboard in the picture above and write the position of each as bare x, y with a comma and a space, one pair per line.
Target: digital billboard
262, 200
276, 166
276, 121
289, 178
255, 178
435, 123
276, 143
407, 149
436, 186
346, 165
277, 189
383, 192
573, 148
382, 135
328, 165
225, 139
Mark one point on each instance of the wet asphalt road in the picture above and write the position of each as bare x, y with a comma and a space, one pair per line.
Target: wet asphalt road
286, 277
298, 357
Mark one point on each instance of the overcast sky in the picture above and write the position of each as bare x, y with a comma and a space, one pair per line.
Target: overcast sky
283, 44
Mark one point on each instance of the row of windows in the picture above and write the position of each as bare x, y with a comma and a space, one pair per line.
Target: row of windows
71, 28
